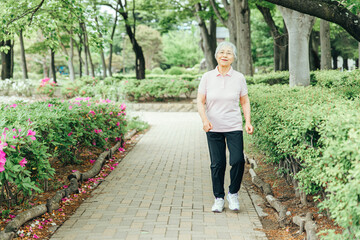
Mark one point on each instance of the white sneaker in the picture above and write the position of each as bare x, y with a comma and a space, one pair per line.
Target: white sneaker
218, 205
233, 201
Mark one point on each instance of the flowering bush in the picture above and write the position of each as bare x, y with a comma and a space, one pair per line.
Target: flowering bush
47, 87
31, 133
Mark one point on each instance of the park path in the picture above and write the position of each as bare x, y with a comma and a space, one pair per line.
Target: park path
162, 190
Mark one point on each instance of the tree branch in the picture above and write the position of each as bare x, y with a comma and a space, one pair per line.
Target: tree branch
31, 10
217, 12
329, 10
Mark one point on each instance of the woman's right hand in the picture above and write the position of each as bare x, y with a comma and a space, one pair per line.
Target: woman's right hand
207, 126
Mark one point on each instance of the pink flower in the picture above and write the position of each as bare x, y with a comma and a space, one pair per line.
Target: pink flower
121, 149
40, 227
30, 132
106, 139
65, 186
35, 236
19, 129
92, 112
13, 105
111, 113
70, 133
111, 168
118, 124
23, 162
21, 235
12, 146
74, 170
92, 161
123, 106
49, 105
70, 107
33, 138
115, 164
12, 216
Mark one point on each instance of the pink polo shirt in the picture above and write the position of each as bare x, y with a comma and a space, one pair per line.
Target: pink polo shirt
222, 99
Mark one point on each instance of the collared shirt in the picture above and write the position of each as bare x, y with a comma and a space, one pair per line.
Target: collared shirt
222, 99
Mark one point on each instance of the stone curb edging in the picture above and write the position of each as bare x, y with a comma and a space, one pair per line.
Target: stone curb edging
163, 107
304, 222
54, 203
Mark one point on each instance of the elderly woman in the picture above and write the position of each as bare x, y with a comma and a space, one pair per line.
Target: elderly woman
221, 90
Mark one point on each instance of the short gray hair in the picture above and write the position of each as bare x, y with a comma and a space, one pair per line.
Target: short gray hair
226, 44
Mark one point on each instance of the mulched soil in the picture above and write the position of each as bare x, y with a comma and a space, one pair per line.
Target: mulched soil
44, 226
286, 195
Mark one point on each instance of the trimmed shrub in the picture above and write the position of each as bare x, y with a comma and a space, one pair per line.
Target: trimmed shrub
313, 134
176, 71
157, 70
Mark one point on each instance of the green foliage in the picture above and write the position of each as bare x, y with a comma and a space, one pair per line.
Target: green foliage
317, 129
157, 70
269, 78
158, 89
175, 71
181, 48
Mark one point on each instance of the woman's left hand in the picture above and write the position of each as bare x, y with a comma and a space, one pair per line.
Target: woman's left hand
249, 128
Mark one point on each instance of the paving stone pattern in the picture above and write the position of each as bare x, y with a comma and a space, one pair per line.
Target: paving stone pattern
162, 190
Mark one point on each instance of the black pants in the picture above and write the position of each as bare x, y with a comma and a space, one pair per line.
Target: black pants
217, 149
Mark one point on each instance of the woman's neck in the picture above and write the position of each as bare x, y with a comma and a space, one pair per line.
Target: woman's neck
223, 70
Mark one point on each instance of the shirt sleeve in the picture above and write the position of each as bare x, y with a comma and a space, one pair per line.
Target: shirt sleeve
243, 89
202, 85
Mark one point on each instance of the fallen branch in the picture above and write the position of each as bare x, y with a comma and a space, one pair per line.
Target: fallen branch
307, 224
23, 217
279, 207
265, 187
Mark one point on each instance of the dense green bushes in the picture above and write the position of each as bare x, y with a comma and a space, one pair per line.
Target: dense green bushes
34, 132
346, 84
314, 133
158, 90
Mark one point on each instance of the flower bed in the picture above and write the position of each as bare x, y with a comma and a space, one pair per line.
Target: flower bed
35, 134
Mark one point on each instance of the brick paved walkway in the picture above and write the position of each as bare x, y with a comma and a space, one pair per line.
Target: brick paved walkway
162, 190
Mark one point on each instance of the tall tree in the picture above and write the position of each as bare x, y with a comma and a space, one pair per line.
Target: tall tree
299, 27
325, 45
208, 36
22, 54
130, 29
280, 40
112, 38
238, 23
6, 59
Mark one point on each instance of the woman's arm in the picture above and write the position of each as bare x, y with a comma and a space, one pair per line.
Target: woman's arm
245, 104
201, 100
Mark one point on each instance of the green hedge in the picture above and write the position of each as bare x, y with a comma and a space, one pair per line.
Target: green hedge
346, 84
318, 130
158, 90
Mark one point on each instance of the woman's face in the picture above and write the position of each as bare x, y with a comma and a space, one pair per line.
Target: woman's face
225, 56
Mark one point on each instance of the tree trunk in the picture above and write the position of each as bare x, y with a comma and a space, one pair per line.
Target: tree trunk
112, 38
299, 28
103, 63
88, 59
52, 67
45, 67
23, 58
325, 44
79, 49
71, 59
82, 26
314, 54
243, 39
6, 60
335, 56
345, 63
209, 39
12, 55
280, 40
